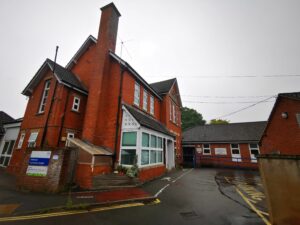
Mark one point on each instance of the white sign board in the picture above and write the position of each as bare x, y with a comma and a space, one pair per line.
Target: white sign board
220, 151
38, 163
199, 150
37, 171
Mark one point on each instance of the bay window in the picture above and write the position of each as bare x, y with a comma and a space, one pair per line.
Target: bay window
152, 149
128, 151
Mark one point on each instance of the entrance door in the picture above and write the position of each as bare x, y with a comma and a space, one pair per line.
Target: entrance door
6, 153
254, 151
170, 159
189, 156
236, 153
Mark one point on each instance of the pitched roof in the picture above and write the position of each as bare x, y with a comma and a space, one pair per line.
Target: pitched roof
147, 121
4, 118
133, 72
64, 76
163, 87
225, 133
86, 44
292, 95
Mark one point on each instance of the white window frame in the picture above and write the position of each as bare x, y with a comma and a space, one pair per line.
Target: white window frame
137, 93
45, 96
145, 100
11, 144
236, 157
151, 105
76, 105
21, 140
252, 156
30, 141
69, 135
149, 149
174, 113
133, 148
204, 148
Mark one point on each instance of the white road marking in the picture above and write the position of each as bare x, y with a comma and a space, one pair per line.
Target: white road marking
162, 189
181, 176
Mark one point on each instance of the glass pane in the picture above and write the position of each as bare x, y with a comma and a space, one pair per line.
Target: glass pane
12, 143
153, 141
145, 157
152, 156
235, 151
128, 157
129, 139
5, 147
206, 146
6, 160
254, 152
33, 137
1, 160
234, 146
145, 140
159, 156
206, 151
159, 142
253, 145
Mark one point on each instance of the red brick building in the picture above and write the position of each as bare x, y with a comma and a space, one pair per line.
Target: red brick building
282, 134
101, 107
223, 145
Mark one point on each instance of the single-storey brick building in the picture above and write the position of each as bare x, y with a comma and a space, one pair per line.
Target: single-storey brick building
224, 145
99, 107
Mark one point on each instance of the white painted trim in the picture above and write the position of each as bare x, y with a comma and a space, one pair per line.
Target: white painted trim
252, 157
206, 149
236, 157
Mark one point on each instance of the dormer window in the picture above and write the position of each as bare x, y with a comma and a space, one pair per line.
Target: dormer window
145, 100
151, 105
44, 97
137, 94
76, 104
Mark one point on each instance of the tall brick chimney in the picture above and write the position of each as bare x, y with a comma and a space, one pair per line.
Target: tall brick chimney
107, 37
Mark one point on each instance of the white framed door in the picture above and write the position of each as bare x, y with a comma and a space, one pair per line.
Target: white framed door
254, 151
235, 153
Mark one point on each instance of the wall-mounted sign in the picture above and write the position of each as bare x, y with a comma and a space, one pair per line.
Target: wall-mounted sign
220, 151
55, 157
38, 163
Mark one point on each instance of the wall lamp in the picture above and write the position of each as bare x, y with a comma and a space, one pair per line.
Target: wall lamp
284, 115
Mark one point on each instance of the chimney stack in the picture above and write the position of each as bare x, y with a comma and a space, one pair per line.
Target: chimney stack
107, 37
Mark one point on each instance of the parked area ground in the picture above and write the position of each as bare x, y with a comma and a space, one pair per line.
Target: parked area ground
190, 196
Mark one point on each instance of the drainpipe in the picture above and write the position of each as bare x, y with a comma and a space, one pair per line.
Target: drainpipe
51, 103
122, 70
63, 117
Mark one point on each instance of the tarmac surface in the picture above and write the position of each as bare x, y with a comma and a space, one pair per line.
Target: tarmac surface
190, 196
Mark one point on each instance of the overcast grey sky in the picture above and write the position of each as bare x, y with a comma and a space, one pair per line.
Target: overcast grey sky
204, 43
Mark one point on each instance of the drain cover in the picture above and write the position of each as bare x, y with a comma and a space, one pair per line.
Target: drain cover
189, 215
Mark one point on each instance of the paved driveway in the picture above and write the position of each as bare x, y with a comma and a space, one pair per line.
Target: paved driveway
197, 196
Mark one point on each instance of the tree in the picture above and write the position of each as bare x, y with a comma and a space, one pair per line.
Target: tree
190, 118
219, 121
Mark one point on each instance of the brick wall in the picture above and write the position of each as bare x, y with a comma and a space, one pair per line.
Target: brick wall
225, 160
283, 135
149, 173
51, 182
